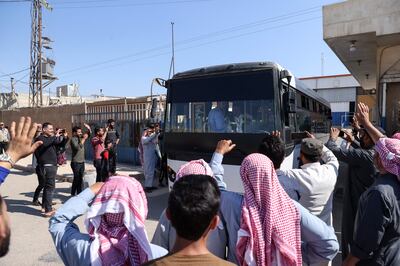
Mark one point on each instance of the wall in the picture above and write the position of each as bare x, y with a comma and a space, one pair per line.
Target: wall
393, 107
59, 116
370, 101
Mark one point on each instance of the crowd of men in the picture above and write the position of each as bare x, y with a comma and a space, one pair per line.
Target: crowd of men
51, 154
284, 216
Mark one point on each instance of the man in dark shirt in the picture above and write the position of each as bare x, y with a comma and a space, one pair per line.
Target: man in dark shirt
361, 176
47, 165
78, 157
376, 237
112, 137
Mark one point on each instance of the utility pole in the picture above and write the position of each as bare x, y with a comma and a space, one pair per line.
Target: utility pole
35, 79
172, 66
322, 64
12, 86
36, 75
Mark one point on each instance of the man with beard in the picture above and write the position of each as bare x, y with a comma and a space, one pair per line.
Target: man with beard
46, 156
78, 157
19, 147
98, 147
112, 137
362, 173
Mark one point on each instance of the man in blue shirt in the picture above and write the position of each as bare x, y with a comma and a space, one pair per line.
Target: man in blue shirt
216, 118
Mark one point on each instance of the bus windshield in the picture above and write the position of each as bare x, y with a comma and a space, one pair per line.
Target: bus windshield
234, 103
222, 117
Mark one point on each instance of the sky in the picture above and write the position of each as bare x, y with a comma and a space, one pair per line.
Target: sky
119, 46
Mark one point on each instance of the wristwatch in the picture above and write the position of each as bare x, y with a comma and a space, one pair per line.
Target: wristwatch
4, 157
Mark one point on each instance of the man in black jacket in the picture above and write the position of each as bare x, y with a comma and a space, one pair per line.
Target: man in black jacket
46, 156
112, 137
361, 176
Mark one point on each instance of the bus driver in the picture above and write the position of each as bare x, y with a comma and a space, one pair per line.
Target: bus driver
216, 118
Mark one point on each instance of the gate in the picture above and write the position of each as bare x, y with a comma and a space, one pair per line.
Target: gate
129, 125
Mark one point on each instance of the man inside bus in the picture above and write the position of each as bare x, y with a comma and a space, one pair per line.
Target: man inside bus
216, 118
361, 176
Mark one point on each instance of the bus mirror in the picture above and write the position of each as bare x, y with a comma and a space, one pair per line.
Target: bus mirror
284, 74
289, 101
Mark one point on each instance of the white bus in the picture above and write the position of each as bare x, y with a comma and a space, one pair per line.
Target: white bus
249, 101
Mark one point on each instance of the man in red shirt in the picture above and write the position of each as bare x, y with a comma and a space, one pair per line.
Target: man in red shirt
98, 148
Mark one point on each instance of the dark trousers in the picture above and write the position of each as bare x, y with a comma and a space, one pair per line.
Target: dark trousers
113, 160
3, 147
78, 169
48, 175
97, 165
41, 181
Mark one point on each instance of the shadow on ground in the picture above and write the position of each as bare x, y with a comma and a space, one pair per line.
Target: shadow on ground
22, 206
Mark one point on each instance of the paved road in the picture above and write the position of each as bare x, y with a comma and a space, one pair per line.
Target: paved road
31, 243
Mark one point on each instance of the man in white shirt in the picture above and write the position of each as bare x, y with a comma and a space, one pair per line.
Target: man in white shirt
4, 138
315, 182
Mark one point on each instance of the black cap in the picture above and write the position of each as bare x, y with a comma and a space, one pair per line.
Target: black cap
312, 147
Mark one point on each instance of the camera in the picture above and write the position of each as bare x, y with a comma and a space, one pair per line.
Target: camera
341, 134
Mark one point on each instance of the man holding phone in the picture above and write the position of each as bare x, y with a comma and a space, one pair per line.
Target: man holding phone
361, 176
149, 143
46, 156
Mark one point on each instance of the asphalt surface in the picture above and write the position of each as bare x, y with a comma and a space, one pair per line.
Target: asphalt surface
31, 244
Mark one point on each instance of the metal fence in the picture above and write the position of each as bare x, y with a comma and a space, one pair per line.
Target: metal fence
129, 126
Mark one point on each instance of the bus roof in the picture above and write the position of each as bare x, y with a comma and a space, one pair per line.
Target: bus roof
250, 66
226, 68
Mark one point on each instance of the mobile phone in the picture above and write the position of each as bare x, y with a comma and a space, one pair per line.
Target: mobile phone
298, 135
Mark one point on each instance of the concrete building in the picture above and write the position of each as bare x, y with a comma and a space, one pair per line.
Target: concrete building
365, 35
340, 91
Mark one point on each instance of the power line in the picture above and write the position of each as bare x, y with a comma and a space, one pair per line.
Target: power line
199, 45
95, 1
57, 6
10, 74
13, 1
200, 37
20, 80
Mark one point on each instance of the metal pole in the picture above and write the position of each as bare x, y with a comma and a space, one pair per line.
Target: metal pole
173, 49
40, 53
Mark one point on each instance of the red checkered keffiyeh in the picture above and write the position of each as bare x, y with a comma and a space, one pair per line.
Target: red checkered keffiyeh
389, 153
195, 167
270, 224
116, 223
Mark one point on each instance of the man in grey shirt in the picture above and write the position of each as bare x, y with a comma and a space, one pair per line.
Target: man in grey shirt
78, 157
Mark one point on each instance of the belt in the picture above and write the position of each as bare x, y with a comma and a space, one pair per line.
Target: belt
48, 164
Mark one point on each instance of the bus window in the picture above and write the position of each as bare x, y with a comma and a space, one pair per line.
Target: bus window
222, 117
180, 121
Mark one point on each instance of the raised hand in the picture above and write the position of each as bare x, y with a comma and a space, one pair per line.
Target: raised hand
334, 133
21, 139
224, 146
362, 114
309, 135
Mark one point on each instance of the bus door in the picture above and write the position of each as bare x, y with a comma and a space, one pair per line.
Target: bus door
289, 127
